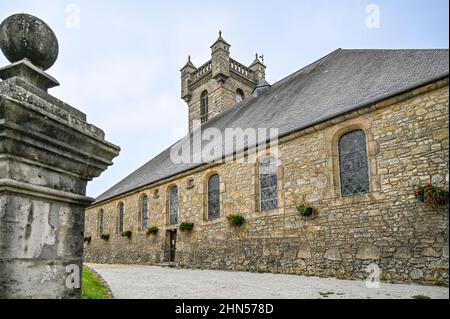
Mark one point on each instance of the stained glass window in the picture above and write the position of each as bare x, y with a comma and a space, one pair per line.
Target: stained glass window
353, 165
173, 206
144, 212
268, 184
121, 216
214, 197
100, 222
204, 106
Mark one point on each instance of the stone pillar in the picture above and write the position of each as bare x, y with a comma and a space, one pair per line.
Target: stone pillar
48, 153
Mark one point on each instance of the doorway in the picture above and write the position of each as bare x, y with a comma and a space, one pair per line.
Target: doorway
171, 240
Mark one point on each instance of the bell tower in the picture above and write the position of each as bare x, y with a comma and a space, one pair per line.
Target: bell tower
219, 84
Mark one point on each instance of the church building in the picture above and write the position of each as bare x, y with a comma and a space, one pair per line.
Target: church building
355, 179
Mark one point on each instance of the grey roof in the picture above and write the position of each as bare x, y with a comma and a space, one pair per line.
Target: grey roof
338, 83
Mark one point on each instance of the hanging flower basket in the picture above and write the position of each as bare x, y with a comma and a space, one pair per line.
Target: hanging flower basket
127, 233
305, 210
152, 230
236, 220
432, 195
185, 227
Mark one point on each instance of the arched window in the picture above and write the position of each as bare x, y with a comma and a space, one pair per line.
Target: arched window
121, 217
239, 95
144, 212
100, 222
353, 165
173, 205
204, 106
214, 197
268, 180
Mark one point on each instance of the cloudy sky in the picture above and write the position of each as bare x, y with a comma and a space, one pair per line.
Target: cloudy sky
119, 61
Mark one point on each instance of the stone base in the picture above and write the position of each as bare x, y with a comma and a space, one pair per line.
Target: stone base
38, 279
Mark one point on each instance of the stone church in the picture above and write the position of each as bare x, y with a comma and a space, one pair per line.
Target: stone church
357, 132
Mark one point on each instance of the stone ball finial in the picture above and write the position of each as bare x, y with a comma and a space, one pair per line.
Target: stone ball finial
25, 36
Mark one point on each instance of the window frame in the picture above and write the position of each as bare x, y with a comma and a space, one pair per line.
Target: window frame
170, 205
204, 106
100, 221
260, 200
367, 164
121, 217
208, 192
144, 209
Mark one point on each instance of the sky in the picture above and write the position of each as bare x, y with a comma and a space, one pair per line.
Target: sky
119, 61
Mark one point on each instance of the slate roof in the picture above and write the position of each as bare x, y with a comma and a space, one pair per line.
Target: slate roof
340, 82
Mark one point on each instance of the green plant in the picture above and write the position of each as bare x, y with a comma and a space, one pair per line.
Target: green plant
92, 286
105, 236
326, 294
432, 195
87, 239
236, 220
152, 230
420, 297
263, 271
127, 233
186, 227
305, 210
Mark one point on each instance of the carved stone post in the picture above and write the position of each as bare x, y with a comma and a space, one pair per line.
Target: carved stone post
48, 153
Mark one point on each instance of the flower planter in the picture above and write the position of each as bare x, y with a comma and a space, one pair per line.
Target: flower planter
308, 211
186, 227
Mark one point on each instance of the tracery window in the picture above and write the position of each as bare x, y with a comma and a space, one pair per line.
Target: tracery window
353, 164
214, 197
268, 184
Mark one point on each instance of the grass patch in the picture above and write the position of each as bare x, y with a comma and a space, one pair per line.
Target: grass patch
263, 271
420, 297
92, 287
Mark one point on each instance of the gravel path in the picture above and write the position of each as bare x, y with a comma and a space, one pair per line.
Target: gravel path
147, 282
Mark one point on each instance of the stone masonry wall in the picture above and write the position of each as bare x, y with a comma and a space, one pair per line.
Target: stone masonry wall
407, 142
221, 96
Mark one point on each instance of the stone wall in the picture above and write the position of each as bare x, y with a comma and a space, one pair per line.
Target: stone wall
407, 143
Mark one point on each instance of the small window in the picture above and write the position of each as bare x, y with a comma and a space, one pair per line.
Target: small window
239, 95
214, 197
173, 205
144, 212
190, 183
204, 105
268, 184
353, 164
121, 217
